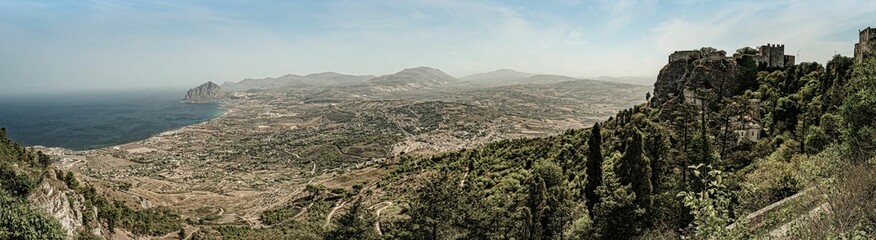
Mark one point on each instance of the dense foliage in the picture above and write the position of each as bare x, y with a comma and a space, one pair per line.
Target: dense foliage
654, 169
21, 171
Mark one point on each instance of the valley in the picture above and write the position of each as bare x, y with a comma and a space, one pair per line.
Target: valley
272, 146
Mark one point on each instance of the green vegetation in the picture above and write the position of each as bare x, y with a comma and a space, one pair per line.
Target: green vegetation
21, 171
737, 151
652, 170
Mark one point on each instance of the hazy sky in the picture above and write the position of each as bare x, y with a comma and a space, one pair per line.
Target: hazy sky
75, 45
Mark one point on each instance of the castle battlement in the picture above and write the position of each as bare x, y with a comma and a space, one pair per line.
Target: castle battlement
768, 55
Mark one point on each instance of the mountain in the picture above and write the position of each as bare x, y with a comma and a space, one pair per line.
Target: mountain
337, 78
207, 92
325, 79
628, 79
501, 74
412, 78
499, 81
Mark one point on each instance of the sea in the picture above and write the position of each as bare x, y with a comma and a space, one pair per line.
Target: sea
82, 121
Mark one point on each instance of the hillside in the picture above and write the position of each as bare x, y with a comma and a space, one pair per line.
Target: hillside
326, 79
724, 148
686, 146
498, 75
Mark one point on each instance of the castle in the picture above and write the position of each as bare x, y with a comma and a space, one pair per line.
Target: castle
863, 48
769, 55
695, 54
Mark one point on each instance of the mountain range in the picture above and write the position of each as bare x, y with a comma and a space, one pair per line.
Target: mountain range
413, 78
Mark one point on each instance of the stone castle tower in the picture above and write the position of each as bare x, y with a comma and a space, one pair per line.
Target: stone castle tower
863, 47
773, 56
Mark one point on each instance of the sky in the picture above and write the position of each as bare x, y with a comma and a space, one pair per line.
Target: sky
60, 46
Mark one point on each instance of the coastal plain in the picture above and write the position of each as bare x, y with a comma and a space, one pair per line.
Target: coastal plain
275, 149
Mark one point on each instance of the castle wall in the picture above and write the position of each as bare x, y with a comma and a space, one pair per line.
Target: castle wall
862, 48
683, 55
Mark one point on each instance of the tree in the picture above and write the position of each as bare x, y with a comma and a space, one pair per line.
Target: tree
634, 169
594, 167
858, 111
614, 215
357, 223
548, 202
433, 208
711, 206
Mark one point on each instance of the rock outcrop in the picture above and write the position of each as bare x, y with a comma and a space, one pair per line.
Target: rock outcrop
677, 78
207, 92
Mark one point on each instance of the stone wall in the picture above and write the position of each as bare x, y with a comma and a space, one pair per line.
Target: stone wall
862, 48
684, 55
774, 54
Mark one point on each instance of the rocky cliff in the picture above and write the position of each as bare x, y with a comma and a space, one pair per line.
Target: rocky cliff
207, 92
719, 75
65, 205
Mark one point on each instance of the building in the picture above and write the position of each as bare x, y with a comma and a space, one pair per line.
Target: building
770, 56
695, 54
748, 129
866, 40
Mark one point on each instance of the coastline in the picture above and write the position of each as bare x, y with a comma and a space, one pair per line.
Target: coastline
221, 106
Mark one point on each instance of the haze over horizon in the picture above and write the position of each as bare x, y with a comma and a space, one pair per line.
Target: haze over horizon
93, 45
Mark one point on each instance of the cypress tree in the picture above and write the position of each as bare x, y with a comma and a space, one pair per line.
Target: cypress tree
594, 167
634, 168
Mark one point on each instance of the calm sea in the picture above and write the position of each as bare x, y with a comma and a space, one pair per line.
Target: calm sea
95, 120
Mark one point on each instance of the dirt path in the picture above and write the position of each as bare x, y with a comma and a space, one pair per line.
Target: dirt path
328, 218
175, 234
377, 216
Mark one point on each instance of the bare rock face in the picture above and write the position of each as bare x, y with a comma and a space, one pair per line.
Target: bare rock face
63, 204
207, 92
723, 76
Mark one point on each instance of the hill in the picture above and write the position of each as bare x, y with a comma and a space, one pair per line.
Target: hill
207, 92
326, 79
498, 75
412, 78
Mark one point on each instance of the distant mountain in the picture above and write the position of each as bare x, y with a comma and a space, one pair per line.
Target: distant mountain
333, 78
412, 78
647, 81
207, 92
501, 74
545, 79
531, 79
326, 79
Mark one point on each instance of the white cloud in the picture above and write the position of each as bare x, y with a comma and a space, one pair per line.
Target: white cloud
804, 26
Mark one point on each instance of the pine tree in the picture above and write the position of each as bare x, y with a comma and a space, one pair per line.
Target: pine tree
614, 215
434, 206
